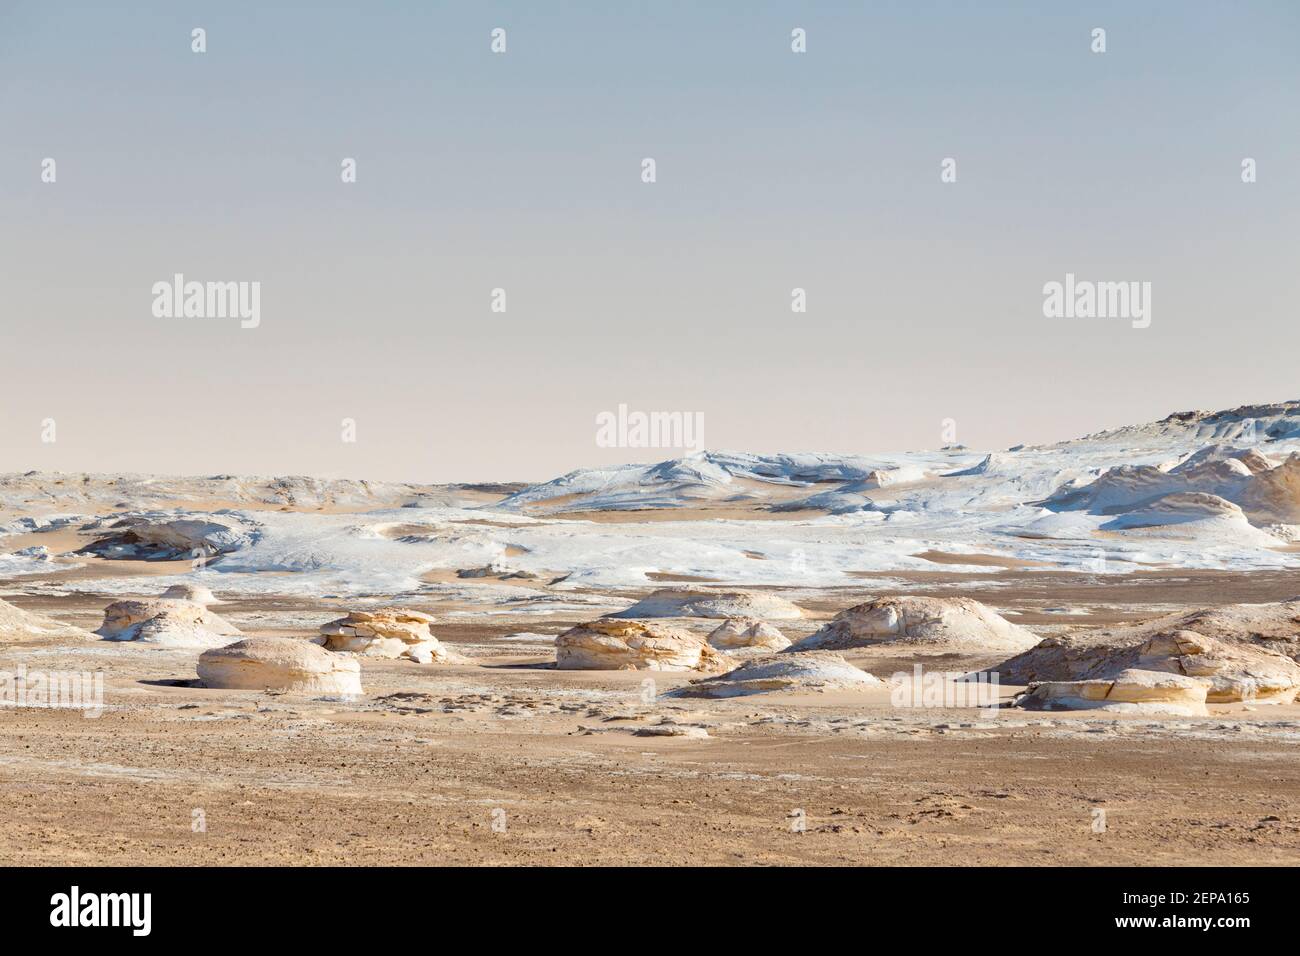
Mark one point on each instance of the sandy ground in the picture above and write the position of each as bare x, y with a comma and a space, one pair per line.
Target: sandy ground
571, 769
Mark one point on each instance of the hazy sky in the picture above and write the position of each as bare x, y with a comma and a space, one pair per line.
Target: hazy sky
522, 171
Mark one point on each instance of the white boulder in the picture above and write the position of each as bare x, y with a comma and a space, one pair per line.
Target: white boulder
609, 645
279, 663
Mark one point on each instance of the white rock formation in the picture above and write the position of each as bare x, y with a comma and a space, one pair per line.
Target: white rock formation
168, 536
197, 593
386, 632
19, 625
688, 602
747, 632
811, 671
167, 622
950, 622
1242, 664
279, 663
1236, 672
607, 645
1129, 691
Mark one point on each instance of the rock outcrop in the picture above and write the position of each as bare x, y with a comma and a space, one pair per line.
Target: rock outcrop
811, 671
609, 645
167, 536
1246, 651
1129, 691
386, 632
167, 622
689, 602
279, 663
949, 622
19, 625
747, 632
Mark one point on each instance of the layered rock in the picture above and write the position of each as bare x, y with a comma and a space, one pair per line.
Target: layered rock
279, 663
386, 632
1246, 652
19, 625
163, 536
1129, 691
167, 622
610, 645
688, 602
950, 622
812, 671
738, 633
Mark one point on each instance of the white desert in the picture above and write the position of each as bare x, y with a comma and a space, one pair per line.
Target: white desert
652, 662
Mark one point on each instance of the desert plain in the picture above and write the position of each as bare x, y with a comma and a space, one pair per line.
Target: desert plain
695, 661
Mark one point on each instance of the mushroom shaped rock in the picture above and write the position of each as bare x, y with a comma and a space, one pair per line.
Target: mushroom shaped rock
1130, 691
747, 632
952, 622
279, 663
810, 671
609, 645
690, 602
167, 622
386, 632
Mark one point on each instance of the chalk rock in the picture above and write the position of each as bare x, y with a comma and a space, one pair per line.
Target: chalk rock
191, 592
608, 645
1248, 651
279, 663
747, 632
19, 625
810, 671
386, 632
688, 602
167, 622
1130, 691
167, 536
955, 622
1276, 493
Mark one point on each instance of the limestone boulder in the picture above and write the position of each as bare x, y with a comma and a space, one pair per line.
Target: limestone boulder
167, 622
949, 622
1130, 691
197, 593
282, 664
690, 602
1248, 651
813, 671
610, 645
386, 632
738, 633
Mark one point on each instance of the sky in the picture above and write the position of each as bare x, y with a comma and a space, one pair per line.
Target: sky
522, 171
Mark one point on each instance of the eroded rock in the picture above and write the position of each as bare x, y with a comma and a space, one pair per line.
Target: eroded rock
279, 663
689, 602
607, 645
166, 621
747, 632
386, 632
953, 622
810, 671
1130, 691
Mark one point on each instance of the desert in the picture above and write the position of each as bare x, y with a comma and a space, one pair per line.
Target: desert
688, 661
